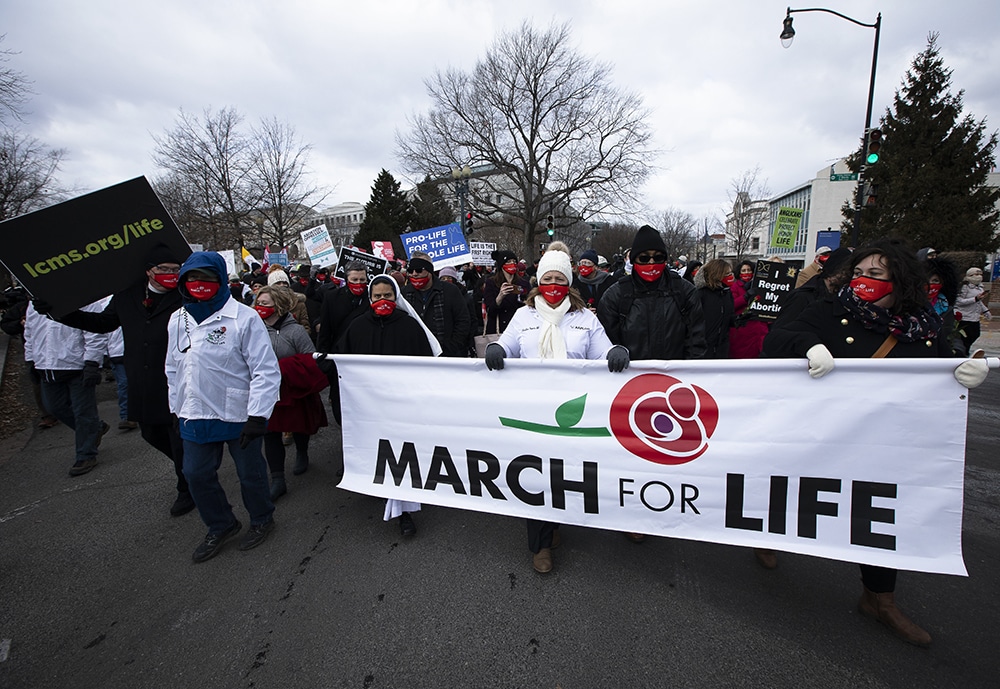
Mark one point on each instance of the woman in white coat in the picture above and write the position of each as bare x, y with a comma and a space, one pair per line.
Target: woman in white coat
555, 325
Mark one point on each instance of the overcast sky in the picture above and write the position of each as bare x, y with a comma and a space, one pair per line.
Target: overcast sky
725, 96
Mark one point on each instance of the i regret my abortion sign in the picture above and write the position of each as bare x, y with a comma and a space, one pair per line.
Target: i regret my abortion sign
743, 452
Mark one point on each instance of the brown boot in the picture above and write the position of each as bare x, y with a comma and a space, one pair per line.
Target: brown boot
767, 558
882, 607
542, 561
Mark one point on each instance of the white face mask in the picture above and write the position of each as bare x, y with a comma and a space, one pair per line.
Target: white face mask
974, 279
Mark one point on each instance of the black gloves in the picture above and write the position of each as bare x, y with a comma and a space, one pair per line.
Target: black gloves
91, 374
326, 365
255, 427
494, 356
42, 307
617, 359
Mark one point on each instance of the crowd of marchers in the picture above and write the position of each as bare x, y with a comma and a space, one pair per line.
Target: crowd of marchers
210, 360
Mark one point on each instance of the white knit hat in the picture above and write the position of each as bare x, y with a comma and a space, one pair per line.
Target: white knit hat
277, 276
555, 260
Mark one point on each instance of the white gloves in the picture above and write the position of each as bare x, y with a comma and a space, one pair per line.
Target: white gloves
821, 361
972, 372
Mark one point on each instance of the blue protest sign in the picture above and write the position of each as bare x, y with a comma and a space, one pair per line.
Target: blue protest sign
445, 245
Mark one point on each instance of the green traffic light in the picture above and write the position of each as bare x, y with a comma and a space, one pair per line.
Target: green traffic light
872, 158
551, 232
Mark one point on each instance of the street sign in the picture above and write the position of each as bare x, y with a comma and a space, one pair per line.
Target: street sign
844, 177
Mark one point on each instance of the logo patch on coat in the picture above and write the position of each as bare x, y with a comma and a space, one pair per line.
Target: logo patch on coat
217, 336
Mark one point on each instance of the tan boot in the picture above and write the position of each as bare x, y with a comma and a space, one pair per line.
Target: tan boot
542, 561
767, 558
882, 607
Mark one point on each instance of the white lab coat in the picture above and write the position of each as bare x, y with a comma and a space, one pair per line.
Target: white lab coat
227, 370
53, 346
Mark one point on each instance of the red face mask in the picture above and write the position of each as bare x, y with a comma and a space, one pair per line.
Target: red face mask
320, 277
510, 268
303, 281
202, 290
650, 272
264, 311
729, 280
420, 283
822, 259
933, 291
587, 271
553, 293
871, 289
357, 288
746, 277
383, 307
166, 280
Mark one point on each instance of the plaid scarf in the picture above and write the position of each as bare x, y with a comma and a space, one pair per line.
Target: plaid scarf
924, 325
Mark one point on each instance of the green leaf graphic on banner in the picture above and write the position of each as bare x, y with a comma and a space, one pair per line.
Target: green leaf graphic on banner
569, 413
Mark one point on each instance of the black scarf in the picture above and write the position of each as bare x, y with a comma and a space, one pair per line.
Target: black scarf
924, 325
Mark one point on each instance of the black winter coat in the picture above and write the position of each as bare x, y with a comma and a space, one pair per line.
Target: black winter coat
396, 334
145, 334
593, 291
717, 307
828, 323
662, 320
444, 311
340, 307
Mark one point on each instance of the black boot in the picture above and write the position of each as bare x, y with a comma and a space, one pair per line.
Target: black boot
278, 487
301, 463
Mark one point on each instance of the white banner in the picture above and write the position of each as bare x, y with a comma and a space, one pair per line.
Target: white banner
864, 465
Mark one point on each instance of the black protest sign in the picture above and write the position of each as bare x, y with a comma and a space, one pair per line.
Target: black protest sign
772, 283
78, 251
373, 264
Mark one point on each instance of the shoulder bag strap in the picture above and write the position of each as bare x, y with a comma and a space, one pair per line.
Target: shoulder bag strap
886, 347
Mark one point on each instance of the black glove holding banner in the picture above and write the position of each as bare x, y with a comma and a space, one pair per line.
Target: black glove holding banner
326, 365
91, 373
41, 306
255, 427
618, 359
494, 356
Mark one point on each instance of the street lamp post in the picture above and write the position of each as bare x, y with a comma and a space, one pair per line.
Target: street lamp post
461, 176
787, 34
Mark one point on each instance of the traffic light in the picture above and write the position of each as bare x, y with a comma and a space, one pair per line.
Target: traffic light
873, 146
468, 223
870, 195
550, 225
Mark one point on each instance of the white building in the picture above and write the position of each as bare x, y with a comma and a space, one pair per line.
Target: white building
821, 200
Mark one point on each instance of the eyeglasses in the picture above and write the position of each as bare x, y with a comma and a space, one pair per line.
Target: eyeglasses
650, 258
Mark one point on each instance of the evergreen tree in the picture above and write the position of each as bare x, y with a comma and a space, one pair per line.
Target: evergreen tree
430, 207
930, 179
387, 215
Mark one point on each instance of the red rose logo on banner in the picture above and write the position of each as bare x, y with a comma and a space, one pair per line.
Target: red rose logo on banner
663, 420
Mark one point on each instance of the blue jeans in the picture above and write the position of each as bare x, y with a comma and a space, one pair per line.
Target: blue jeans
122, 380
75, 404
201, 469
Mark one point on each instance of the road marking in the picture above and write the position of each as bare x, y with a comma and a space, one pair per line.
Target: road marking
20, 511
4, 649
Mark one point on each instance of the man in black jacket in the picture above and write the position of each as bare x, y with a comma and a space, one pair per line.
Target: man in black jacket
654, 312
439, 304
143, 311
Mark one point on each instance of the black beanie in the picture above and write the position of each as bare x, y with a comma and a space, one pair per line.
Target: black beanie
647, 239
838, 258
161, 253
503, 256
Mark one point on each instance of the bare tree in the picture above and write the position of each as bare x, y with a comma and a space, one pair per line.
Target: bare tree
544, 129
748, 215
280, 175
211, 153
679, 231
14, 88
615, 240
27, 173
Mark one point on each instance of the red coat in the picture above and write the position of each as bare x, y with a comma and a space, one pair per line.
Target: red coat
746, 340
299, 408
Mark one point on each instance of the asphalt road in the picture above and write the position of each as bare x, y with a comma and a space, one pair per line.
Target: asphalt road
97, 589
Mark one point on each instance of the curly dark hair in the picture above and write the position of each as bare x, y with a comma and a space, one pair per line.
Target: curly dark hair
909, 277
947, 273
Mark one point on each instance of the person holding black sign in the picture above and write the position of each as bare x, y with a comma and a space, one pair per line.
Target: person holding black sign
142, 312
882, 312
